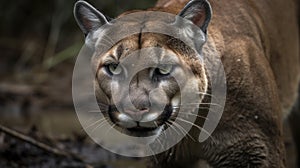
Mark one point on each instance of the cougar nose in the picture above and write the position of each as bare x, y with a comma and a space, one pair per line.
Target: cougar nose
136, 115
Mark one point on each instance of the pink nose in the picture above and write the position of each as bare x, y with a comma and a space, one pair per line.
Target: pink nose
136, 115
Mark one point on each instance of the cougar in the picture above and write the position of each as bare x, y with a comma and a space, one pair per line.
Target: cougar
258, 44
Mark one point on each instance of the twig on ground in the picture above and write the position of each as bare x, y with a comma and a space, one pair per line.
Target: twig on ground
41, 145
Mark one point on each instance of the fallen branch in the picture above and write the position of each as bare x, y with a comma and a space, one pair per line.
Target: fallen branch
41, 145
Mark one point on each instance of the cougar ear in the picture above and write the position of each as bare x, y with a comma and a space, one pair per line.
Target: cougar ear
199, 12
88, 18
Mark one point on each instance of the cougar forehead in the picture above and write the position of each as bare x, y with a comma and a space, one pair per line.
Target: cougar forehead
173, 51
136, 42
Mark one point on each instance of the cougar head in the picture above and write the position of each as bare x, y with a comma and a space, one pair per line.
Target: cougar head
152, 99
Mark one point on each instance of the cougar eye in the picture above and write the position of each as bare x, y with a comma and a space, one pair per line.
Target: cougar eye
164, 70
114, 69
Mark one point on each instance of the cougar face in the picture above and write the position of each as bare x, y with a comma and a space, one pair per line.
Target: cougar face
153, 98
153, 92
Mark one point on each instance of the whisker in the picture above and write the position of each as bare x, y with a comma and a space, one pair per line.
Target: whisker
103, 108
172, 127
180, 127
160, 142
95, 111
153, 154
101, 120
203, 93
207, 94
156, 125
213, 104
183, 130
181, 113
100, 125
200, 128
112, 126
205, 108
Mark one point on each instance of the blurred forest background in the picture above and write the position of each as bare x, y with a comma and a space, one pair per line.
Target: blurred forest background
39, 43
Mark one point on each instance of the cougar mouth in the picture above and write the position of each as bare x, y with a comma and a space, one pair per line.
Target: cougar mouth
137, 128
141, 129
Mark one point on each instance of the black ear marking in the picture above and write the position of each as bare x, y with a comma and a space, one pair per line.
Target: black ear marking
199, 12
88, 18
